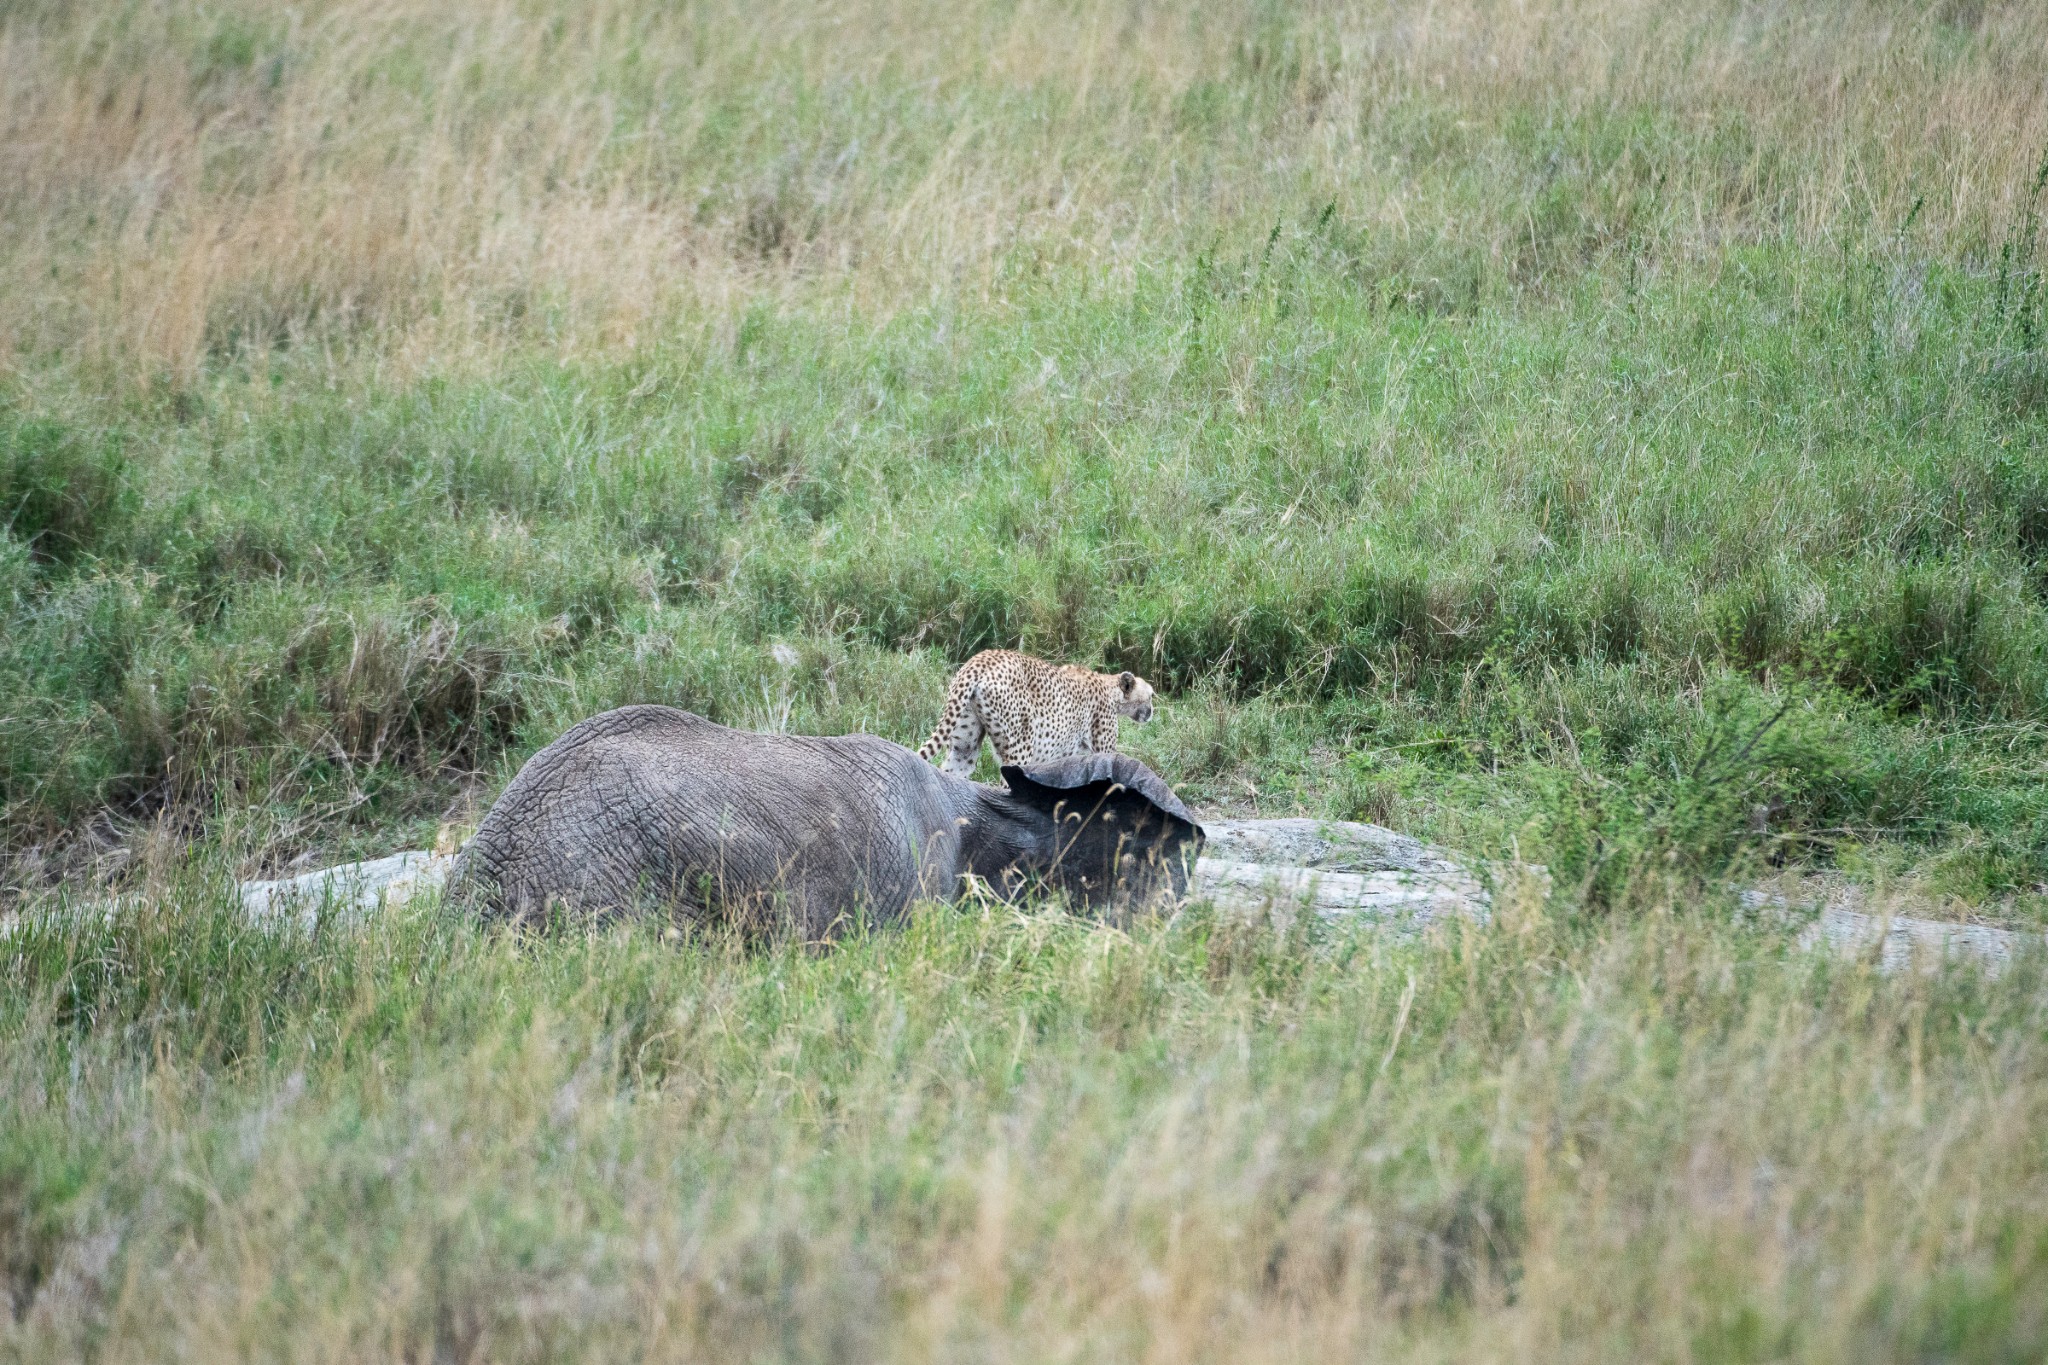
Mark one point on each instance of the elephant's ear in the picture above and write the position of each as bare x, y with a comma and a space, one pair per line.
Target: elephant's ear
1081, 784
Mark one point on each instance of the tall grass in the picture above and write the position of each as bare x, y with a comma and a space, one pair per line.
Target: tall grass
192, 182
1004, 1135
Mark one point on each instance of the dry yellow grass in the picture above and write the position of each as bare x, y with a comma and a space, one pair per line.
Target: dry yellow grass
423, 181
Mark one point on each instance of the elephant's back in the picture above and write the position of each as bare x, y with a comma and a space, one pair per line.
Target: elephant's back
548, 834
650, 802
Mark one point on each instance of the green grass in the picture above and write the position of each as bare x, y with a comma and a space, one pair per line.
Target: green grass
1377, 560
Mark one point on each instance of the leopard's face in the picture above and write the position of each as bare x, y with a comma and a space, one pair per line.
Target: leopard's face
1136, 700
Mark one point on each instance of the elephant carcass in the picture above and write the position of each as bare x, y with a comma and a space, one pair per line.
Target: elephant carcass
651, 806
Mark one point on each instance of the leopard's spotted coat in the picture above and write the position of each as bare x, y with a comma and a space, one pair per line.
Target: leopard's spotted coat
1032, 711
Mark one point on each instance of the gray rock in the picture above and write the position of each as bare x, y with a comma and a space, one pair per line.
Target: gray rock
1327, 845
352, 889
1899, 941
1413, 900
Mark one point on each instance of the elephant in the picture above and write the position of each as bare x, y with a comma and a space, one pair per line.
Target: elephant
653, 807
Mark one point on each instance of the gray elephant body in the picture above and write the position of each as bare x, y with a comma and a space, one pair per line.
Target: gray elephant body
651, 806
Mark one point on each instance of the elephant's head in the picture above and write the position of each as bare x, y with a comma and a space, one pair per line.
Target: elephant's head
1101, 827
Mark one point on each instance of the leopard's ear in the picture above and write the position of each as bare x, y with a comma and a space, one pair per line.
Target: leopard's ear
1127, 681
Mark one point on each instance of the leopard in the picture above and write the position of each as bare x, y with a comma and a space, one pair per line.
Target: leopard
1032, 712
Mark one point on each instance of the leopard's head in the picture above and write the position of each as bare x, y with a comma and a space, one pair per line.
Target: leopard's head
1134, 697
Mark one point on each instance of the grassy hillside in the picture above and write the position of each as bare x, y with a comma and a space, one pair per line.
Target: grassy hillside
1606, 431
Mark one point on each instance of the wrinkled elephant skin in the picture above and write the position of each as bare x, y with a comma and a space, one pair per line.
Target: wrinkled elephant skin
651, 807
